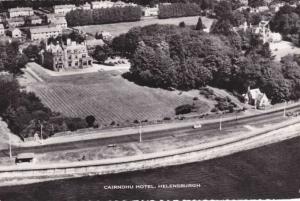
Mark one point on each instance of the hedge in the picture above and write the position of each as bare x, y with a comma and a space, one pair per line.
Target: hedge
104, 15
178, 10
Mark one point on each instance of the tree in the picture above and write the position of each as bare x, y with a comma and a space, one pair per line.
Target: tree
102, 53
200, 25
32, 51
222, 26
90, 120
182, 24
256, 3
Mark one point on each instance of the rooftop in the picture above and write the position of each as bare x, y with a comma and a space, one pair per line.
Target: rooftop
18, 9
64, 6
25, 156
43, 29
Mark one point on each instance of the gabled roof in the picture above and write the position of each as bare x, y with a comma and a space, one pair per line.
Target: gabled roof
43, 29
254, 93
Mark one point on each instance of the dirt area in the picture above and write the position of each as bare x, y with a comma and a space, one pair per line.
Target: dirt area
283, 48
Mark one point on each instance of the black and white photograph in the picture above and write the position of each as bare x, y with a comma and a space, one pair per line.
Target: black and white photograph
149, 100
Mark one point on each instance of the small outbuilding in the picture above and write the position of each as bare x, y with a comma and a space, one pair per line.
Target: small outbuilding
25, 158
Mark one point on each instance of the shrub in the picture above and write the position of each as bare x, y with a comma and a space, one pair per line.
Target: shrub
167, 118
214, 110
184, 109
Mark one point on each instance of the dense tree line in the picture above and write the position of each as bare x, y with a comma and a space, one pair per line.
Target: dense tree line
287, 22
169, 56
104, 15
178, 10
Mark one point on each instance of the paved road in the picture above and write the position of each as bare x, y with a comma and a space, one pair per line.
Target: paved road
212, 128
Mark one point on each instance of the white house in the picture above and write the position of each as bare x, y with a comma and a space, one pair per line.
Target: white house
85, 6
2, 30
16, 21
60, 23
101, 4
20, 12
15, 32
257, 98
63, 9
44, 32
150, 11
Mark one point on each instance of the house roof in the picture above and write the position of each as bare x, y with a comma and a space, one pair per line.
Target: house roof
15, 19
34, 17
59, 21
14, 29
1, 26
25, 156
19, 9
64, 6
254, 93
43, 29
94, 42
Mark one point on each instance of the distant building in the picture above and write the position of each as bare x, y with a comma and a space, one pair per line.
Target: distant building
244, 2
2, 30
257, 98
147, 11
120, 4
20, 12
52, 17
85, 6
263, 30
14, 32
63, 9
44, 32
106, 36
15, 22
66, 57
101, 4
34, 20
92, 44
60, 23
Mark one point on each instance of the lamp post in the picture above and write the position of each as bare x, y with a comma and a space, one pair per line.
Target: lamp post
140, 131
41, 130
10, 154
220, 125
284, 108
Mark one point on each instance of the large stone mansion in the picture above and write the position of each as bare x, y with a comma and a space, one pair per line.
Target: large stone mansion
65, 57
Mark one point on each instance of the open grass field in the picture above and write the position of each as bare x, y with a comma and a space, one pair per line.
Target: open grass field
108, 97
119, 28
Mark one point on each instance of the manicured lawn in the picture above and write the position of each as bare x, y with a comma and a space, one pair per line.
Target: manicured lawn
119, 28
109, 97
